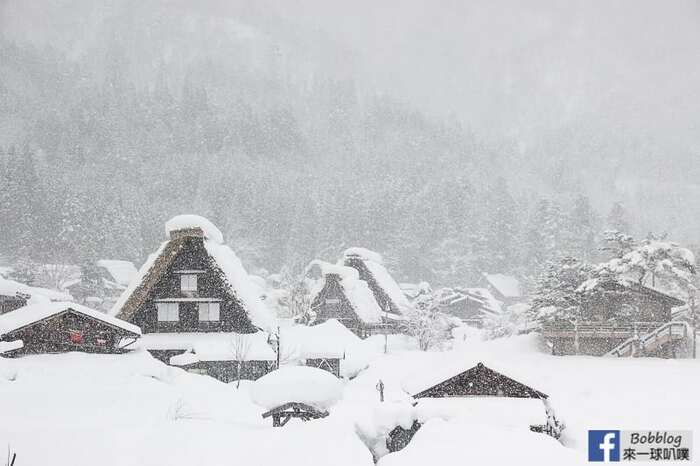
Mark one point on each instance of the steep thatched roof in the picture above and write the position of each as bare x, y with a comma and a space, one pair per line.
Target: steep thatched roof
223, 260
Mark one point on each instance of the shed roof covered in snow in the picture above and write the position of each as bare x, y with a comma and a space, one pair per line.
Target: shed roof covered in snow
29, 315
330, 339
223, 259
34, 294
507, 285
300, 384
122, 272
211, 346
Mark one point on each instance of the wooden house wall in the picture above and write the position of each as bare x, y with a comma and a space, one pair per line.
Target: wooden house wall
467, 310
647, 307
10, 303
227, 371
53, 335
210, 284
342, 310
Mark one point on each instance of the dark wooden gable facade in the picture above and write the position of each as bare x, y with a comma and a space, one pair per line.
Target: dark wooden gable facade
641, 304
69, 330
185, 258
11, 302
332, 303
385, 302
480, 381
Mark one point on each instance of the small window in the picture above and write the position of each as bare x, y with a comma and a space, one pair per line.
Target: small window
168, 312
188, 282
208, 312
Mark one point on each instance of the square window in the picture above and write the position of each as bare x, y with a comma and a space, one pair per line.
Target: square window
208, 312
188, 282
168, 312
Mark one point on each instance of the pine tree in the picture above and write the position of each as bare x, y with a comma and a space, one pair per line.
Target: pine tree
618, 218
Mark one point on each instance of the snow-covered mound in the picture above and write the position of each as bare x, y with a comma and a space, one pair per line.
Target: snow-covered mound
130, 409
301, 384
470, 442
181, 222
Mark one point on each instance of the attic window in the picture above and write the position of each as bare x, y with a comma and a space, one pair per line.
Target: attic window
168, 312
188, 282
209, 312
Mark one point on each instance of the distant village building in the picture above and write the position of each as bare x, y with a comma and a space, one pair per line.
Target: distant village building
360, 293
620, 318
102, 283
505, 288
55, 327
14, 295
471, 305
193, 300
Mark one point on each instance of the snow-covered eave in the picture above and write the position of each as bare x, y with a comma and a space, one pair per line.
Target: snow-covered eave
31, 315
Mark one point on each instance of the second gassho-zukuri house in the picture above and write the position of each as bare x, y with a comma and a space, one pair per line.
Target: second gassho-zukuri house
359, 292
197, 307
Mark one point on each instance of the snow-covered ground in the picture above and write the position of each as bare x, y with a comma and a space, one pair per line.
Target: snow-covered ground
79, 409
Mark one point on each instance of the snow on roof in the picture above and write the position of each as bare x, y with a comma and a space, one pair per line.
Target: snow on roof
37, 295
27, 315
6, 346
241, 284
356, 291
507, 285
181, 222
330, 339
137, 280
443, 442
486, 297
300, 384
122, 272
499, 410
364, 254
388, 284
211, 346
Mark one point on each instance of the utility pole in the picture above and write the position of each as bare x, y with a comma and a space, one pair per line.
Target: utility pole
279, 346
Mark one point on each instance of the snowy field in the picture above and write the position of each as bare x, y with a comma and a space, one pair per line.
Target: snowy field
78, 409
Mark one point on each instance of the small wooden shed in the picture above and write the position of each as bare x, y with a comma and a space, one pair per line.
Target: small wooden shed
62, 327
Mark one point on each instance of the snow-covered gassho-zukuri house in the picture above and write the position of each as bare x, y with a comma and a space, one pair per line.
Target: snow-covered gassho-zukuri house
387, 292
340, 294
56, 327
359, 292
193, 299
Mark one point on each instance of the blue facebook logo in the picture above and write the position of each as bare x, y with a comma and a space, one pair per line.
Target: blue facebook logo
604, 445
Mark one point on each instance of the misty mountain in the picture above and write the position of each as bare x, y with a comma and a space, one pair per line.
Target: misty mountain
303, 134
